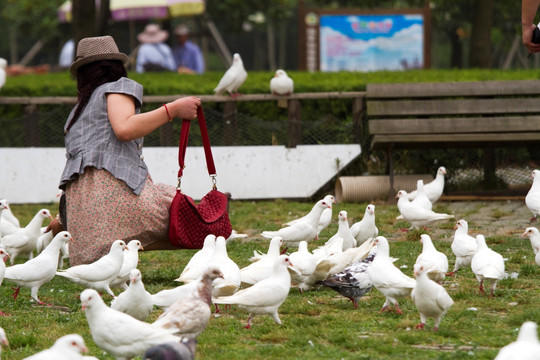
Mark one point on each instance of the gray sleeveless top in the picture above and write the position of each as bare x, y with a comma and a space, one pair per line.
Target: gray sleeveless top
91, 140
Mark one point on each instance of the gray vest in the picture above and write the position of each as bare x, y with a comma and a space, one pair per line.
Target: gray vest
91, 140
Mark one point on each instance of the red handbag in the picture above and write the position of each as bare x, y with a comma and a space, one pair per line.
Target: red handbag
190, 223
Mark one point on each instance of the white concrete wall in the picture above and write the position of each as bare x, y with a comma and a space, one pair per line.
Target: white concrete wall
31, 175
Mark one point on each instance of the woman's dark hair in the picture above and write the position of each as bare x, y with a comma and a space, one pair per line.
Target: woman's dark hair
92, 75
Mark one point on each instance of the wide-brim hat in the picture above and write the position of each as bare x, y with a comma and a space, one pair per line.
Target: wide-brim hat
152, 34
181, 30
94, 49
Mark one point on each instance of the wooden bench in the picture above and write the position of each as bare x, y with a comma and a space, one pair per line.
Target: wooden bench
452, 114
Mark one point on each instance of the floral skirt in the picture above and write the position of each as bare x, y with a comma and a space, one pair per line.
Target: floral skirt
101, 208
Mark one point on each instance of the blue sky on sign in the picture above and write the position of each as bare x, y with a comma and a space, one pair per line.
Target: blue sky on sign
366, 27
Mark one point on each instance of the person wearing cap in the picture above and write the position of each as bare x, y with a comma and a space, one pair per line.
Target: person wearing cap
154, 54
108, 191
187, 55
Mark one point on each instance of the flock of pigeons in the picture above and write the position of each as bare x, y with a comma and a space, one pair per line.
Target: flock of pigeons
352, 262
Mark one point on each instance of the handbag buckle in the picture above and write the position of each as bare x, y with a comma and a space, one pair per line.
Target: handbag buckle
178, 187
214, 182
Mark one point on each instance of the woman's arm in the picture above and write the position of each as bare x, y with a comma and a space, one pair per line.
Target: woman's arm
129, 126
528, 12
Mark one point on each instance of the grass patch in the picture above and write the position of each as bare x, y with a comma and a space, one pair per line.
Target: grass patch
318, 324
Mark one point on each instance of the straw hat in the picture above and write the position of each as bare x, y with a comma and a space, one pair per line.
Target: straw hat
93, 49
152, 34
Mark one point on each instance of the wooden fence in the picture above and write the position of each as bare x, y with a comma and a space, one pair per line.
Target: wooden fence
293, 103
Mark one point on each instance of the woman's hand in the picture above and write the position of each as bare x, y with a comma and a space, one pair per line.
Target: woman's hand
184, 108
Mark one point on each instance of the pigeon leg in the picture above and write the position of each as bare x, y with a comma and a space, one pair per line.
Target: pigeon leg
420, 326
3, 313
384, 308
492, 293
481, 288
248, 325
16, 293
284, 250
436, 328
217, 309
398, 310
355, 304
403, 229
451, 273
533, 219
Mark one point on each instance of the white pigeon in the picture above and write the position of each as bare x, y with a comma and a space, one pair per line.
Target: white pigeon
281, 83
167, 297
534, 236
231, 280
8, 222
302, 230
487, 265
262, 268
435, 263
325, 218
130, 262
537, 257
119, 334
189, 316
266, 296
68, 347
365, 228
99, 274
353, 282
435, 188
526, 346
3, 66
233, 78
343, 232
24, 240
135, 300
463, 246
532, 200
307, 268
198, 262
416, 215
421, 199
3, 339
431, 299
387, 278
39, 270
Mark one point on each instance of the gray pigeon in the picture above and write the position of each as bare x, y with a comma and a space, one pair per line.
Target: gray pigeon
184, 350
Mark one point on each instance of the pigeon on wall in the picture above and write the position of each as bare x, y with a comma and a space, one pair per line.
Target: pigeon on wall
233, 78
281, 83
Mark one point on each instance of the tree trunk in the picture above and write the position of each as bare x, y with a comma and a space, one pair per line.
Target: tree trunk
456, 50
103, 18
84, 19
480, 47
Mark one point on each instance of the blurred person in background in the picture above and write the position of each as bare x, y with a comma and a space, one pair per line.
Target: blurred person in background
187, 55
154, 54
529, 9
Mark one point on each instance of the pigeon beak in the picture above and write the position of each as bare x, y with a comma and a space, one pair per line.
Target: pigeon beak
141, 247
84, 349
126, 248
397, 197
72, 239
524, 234
290, 263
83, 307
5, 342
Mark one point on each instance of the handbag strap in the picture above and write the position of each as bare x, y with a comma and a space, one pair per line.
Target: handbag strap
184, 134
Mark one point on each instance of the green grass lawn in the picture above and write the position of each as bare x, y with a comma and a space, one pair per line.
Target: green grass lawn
319, 324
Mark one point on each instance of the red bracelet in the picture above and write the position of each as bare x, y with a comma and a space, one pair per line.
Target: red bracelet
168, 114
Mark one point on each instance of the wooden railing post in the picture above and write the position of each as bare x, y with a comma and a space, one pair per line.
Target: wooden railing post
295, 123
230, 123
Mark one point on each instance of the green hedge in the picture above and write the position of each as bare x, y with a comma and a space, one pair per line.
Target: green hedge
62, 84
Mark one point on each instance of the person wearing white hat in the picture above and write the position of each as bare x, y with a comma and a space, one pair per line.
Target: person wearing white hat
154, 54
188, 56
109, 193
